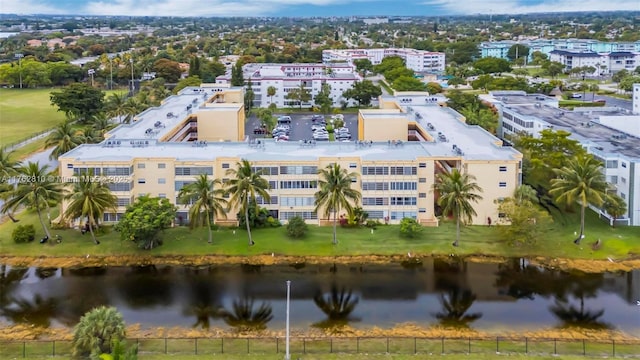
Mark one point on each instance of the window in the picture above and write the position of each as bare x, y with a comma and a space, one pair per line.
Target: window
297, 201
375, 201
422, 210
612, 164
180, 184
623, 196
273, 200
375, 214
141, 166
422, 195
307, 215
623, 180
162, 195
354, 179
273, 185
375, 186
225, 166
422, 180
624, 165
353, 165
400, 200
403, 170
398, 215
614, 179
502, 184
162, 181
299, 184
124, 201
119, 186
375, 170
404, 185
422, 165
298, 170
116, 171
193, 170
109, 217
142, 181
162, 165
94, 171
266, 170
503, 168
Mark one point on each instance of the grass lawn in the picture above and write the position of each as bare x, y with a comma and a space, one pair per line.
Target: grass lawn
617, 243
26, 112
344, 357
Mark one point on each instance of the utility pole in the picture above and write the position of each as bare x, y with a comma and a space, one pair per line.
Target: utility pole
287, 356
19, 56
91, 72
110, 71
132, 85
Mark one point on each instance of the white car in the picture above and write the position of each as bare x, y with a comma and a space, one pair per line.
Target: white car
576, 96
318, 127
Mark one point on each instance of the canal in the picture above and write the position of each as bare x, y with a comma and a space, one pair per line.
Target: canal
508, 297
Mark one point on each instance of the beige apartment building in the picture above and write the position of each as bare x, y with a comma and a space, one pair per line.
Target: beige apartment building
400, 149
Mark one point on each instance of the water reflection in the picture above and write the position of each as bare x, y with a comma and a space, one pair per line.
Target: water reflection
455, 305
44, 273
146, 286
243, 316
337, 305
38, 311
203, 301
578, 316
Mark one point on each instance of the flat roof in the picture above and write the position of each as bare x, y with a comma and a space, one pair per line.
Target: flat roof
155, 122
585, 127
130, 141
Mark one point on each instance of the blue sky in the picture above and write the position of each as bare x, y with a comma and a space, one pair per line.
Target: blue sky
308, 7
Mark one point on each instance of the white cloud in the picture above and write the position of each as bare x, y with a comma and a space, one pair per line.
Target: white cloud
517, 7
29, 7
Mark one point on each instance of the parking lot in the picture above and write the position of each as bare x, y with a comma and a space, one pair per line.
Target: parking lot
301, 126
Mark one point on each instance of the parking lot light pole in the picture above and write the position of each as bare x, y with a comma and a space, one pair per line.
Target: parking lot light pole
19, 56
287, 356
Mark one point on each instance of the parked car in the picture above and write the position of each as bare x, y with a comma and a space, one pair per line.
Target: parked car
321, 137
318, 127
576, 96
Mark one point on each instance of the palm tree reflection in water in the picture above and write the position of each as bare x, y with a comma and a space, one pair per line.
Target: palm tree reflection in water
244, 317
572, 316
455, 306
337, 305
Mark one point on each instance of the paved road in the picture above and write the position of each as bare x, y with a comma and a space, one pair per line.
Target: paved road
611, 101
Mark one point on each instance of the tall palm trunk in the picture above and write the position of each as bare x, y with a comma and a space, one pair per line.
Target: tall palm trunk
93, 236
456, 243
335, 221
577, 240
209, 227
246, 220
44, 227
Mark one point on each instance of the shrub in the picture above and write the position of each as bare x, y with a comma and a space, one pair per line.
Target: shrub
296, 228
23, 234
410, 228
97, 330
372, 224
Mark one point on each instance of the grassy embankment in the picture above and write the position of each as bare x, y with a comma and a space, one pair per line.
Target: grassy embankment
618, 243
25, 113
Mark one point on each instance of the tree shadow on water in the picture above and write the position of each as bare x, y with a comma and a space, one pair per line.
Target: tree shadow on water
337, 305
243, 316
455, 305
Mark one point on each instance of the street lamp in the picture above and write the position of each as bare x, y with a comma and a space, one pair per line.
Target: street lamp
110, 71
19, 56
91, 72
133, 89
287, 356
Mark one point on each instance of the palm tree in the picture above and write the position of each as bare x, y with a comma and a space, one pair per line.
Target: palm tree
101, 124
581, 181
206, 200
271, 92
97, 330
615, 206
89, 135
335, 193
457, 190
64, 137
8, 169
525, 193
116, 106
244, 188
89, 198
38, 190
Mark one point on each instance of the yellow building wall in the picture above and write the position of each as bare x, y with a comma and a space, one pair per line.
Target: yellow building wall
221, 124
488, 177
385, 128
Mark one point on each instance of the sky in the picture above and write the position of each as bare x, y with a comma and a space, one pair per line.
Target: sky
306, 8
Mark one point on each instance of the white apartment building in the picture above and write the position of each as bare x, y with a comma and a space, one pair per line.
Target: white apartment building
416, 60
611, 134
604, 63
286, 77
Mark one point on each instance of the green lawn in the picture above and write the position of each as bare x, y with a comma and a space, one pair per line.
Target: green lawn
25, 112
617, 243
344, 357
